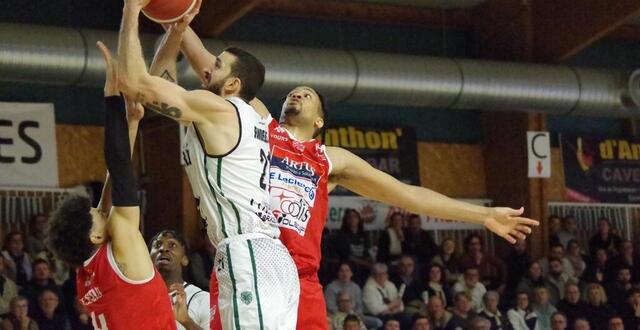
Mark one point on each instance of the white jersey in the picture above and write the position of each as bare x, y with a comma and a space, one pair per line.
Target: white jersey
231, 190
197, 306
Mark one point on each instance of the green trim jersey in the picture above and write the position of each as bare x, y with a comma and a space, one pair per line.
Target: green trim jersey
231, 190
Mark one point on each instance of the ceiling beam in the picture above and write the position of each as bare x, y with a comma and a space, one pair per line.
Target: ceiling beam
217, 16
565, 27
369, 12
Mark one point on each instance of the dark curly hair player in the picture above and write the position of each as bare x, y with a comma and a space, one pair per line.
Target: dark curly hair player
104, 243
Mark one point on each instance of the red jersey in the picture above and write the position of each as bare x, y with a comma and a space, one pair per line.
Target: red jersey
299, 177
116, 302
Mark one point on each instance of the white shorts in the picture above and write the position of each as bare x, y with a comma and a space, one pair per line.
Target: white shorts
258, 283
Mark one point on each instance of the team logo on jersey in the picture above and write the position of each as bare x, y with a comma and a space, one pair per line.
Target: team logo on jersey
91, 296
246, 297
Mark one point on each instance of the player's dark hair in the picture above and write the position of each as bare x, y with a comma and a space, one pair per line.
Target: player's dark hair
249, 70
173, 234
69, 231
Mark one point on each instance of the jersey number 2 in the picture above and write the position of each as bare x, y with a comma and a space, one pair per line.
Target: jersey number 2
100, 323
264, 160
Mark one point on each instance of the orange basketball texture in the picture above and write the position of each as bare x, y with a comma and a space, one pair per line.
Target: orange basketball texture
167, 11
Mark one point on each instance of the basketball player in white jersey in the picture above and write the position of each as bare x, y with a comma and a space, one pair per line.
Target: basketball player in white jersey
226, 153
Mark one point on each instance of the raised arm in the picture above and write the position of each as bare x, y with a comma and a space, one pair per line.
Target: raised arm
358, 176
195, 51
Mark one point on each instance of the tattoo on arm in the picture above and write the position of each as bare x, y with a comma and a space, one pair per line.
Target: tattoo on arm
122, 266
164, 109
167, 76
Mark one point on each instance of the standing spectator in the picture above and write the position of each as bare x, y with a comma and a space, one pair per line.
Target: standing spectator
556, 280
596, 270
470, 284
522, 316
406, 277
543, 307
17, 260
626, 258
572, 306
517, 262
391, 240
568, 232
343, 284
558, 321
18, 318
557, 251
616, 323
493, 273
381, 299
8, 289
604, 238
420, 322
631, 312
462, 312
48, 315
438, 315
41, 281
37, 234
418, 242
436, 285
491, 312
598, 311
201, 262
449, 259
576, 257
345, 308
353, 245
618, 290
532, 279
582, 324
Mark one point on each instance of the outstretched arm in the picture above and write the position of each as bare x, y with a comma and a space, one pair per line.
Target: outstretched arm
358, 176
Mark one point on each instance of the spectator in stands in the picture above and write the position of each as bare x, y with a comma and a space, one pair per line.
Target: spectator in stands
582, 324
616, 323
522, 316
391, 240
557, 251
598, 311
418, 242
392, 324
517, 262
353, 245
8, 289
37, 234
480, 323
343, 284
572, 306
576, 257
409, 285
48, 314
558, 321
169, 255
556, 280
626, 258
499, 321
59, 269
438, 315
41, 281
449, 258
17, 260
493, 273
470, 284
436, 286
381, 299
80, 320
345, 309
201, 262
462, 312
555, 226
18, 318
532, 279
351, 322
543, 307
618, 290
631, 312
604, 238
596, 270
568, 232
420, 322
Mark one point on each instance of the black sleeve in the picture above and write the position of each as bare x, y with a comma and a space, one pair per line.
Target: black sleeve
117, 153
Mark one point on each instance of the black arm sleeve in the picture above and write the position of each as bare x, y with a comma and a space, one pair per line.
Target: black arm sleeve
117, 153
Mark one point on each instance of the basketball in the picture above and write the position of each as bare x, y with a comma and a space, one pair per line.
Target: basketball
167, 11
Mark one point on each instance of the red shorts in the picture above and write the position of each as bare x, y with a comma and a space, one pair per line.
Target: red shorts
312, 310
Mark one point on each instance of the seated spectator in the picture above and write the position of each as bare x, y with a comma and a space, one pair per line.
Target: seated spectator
201, 262
448, 258
626, 258
420, 322
631, 312
353, 245
346, 314
418, 242
558, 321
522, 316
532, 279
392, 324
41, 281
407, 283
557, 251
343, 284
555, 226
568, 232
58, 268
436, 285
439, 317
17, 261
616, 323
37, 234
491, 312
169, 255
582, 324
480, 323
8, 289
517, 262
470, 284
462, 312
556, 280
598, 311
604, 238
351, 322
381, 299
596, 270
543, 307
48, 315
618, 290
493, 273
576, 257
572, 306
391, 240
18, 318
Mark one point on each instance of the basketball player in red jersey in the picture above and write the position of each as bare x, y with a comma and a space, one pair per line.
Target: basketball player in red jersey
116, 280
